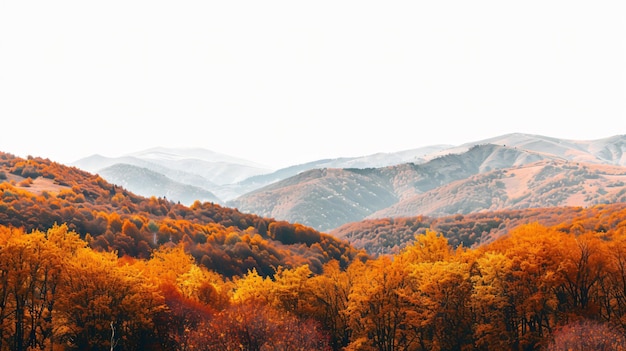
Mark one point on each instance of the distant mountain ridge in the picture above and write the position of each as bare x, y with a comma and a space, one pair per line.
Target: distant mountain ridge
546, 183
229, 177
610, 150
146, 182
327, 193
328, 198
200, 168
453, 183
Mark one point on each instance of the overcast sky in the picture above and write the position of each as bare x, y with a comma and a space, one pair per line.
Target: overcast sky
286, 82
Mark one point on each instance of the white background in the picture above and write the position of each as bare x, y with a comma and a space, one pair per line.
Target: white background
286, 82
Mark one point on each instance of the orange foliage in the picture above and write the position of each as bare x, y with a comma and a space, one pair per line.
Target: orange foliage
137, 273
116, 220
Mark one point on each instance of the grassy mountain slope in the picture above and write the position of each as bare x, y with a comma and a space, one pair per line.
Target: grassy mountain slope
539, 184
326, 199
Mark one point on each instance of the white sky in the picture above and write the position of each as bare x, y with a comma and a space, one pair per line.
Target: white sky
286, 82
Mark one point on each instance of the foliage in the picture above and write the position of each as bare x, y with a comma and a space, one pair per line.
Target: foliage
390, 235
130, 273
587, 335
112, 219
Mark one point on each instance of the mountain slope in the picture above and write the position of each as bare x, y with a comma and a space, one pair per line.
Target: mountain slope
199, 168
480, 177
610, 150
378, 160
384, 236
36, 194
214, 167
217, 174
146, 182
321, 197
325, 199
546, 183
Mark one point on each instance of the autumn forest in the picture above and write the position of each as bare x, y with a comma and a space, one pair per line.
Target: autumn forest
86, 265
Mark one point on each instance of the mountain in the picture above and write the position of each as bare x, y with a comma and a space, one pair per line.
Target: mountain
384, 236
486, 175
199, 168
325, 199
377, 160
546, 183
146, 182
225, 176
217, 168
304, 194
611, 150
322, 197
36, 194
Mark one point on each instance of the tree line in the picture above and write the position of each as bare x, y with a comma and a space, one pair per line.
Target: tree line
529, 290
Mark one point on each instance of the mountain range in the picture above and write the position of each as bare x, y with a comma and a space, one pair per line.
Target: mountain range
512, 171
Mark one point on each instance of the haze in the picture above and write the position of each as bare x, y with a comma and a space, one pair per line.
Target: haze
286, 82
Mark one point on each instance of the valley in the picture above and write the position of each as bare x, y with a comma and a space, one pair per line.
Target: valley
460, 229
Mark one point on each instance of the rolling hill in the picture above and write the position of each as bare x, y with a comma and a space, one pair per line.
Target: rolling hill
225, 176
200, 168
385, 236
546, 183
36, 194
520, 171
325, 199
434, 180
146, 182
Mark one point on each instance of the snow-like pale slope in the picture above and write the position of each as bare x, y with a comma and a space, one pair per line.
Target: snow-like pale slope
162, 155
229, 177
611, 150
182, 165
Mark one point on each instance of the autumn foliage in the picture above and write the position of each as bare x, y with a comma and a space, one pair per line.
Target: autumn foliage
88, 266
112, 219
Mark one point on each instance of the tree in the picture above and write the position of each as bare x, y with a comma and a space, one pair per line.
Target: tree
331, 291
377, 310
492, 302
442, 295
98, 291
535, 258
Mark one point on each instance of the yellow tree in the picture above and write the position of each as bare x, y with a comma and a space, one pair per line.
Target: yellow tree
252, 288
614, 286
535, 256
492, 303
585, 264
377, 310
442, 296
331, 290
292, 290
30, 271
427, 247
104, 302
30, 274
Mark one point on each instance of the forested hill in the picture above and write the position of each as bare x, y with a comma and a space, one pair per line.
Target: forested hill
386, 236
36, 193
130, 273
